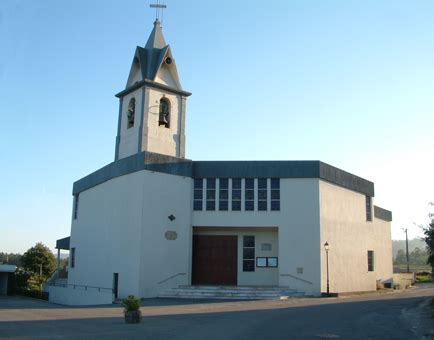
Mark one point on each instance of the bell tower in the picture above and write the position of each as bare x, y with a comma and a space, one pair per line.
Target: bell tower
152, 105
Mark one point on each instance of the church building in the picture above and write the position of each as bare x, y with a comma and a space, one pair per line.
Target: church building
152, 221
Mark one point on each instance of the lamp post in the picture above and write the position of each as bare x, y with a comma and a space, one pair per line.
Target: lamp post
326, 248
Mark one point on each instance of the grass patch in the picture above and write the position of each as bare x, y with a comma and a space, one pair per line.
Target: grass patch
423, 278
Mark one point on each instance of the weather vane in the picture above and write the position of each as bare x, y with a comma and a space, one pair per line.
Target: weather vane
158, 7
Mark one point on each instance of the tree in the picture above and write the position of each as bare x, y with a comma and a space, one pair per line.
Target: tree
429, 240
400, 257
37, 256
10, 258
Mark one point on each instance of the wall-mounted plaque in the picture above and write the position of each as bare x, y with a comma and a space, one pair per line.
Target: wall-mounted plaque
171, 235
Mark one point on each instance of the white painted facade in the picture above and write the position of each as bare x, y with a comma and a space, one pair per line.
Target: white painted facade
136, 217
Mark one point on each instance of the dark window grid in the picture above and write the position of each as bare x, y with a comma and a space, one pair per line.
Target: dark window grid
198, 183
370, 261
76, 198
248, 241
197, 205
224, 194
236, 183
210, 183
249, 205
250, 183
262, 205
248, 265
275, 205
275, 183
236, 194
262, 199
223, 205
248, 253
224, 183
262, 183
275, 194
198, 194
249, 195
236, 205
368, 208
72, 257
210, 194
210, 205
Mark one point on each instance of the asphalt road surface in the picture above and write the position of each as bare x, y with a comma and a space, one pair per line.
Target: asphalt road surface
396, 315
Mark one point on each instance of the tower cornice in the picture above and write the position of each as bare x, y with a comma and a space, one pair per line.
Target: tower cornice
153, 84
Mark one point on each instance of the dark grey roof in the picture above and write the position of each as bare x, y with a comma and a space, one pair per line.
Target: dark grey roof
63, 243
213, 169
382, 214
151, 56
156, 39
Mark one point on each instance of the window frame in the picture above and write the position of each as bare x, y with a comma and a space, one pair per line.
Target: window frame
368, 203
210, 195
237, 189
76, 204
275, 194
196, 199
262, 191
249, 190
72, 256
371, 261
223, 189
250, 259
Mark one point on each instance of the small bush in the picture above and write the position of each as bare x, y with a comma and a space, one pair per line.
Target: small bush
423, 278
131, 303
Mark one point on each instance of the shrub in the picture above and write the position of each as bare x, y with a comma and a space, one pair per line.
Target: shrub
131, 303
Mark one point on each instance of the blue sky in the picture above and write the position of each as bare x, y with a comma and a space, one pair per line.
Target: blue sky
349, 83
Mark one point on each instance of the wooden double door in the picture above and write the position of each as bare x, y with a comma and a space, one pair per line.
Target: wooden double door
214, 260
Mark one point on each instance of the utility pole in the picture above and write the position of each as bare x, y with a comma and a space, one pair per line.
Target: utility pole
406, 249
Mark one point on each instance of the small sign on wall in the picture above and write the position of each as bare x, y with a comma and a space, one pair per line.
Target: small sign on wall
171, 235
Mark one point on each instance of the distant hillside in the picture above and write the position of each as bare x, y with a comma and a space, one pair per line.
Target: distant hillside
412, 244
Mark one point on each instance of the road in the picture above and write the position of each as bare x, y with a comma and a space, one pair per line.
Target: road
397, 315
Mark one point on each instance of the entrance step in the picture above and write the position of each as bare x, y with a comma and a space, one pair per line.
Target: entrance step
231, 292
60, 282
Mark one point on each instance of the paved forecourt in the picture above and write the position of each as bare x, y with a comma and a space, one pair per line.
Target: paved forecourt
370, 315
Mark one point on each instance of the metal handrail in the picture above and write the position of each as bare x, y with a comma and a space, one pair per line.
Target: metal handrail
75, 286
171, 277
297, 278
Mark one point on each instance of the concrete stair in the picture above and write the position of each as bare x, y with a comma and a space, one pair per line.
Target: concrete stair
231, 292
60, 282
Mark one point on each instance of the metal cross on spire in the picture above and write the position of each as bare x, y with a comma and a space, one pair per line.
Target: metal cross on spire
158, 7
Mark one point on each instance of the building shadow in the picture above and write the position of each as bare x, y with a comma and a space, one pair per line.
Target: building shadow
377, 319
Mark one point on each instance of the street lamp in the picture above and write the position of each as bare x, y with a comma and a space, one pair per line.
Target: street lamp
326, 248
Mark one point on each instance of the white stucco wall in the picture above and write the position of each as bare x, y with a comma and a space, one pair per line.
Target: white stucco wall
164, 76
298, 230
350, 236
78, 296
121, 229
107, 234
165, 195
160, 139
